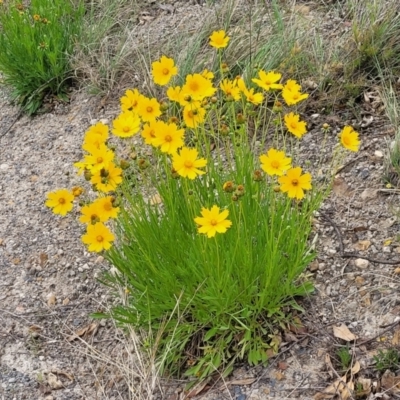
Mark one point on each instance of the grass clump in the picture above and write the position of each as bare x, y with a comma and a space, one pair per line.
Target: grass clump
213, 216
388, 359
36, 42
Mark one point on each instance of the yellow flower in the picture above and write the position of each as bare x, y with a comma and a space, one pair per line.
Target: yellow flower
107, 180
292, 86
91, 214
98, 158
77, 191
349, 139
186, 163
60, 201
173, 93
254, 98
207, 74
291, 95
275, 162
219, 39
168, 137
98, 237
268, 80
149, 132
193, 115
197, 87
148, 109
294, 183
126, 124
106, 207
230, 89
163, 70
95, 136
130, 100
294, 125
212, 221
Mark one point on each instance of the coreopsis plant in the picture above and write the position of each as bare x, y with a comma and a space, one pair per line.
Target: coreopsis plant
212, 213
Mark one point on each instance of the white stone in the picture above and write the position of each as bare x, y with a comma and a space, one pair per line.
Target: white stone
361, 263
3, 167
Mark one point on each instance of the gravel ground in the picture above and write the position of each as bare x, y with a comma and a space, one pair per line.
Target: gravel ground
49, 285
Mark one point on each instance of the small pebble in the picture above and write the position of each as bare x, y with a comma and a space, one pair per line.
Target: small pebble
361, 263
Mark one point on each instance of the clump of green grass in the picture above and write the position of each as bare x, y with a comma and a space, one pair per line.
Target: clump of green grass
36, 42
345, 357
387, 359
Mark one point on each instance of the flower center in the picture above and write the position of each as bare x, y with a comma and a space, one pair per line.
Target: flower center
268, 83
275, 164
295, 182
213, 222
134, 103
293, 125
190, 114
168, 138
152, 133
295, 96
107, 206
93, 217
61, 201
99, 160
346, 140
194, 86
149, 109
165, 71
99, 238
188, 164
126, 129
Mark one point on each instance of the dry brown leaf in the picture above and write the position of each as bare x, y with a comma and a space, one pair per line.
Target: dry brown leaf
51, 299
363, 387
43, 258
343, 332
340, 187
54, 382
1, 242
63, 373
397, 271
66, 301
335, 388
198, 388
282, 365
86, 331
34, 328
396, 337
390, 382
356, 368
362, 245
279, 376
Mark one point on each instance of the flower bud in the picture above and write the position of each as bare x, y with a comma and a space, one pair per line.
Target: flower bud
103, 173
124, 164
229, 186
257, 175
240, 118
87, 174
143, 163
77, 191
277, 189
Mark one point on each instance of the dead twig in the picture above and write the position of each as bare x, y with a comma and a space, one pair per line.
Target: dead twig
344, 254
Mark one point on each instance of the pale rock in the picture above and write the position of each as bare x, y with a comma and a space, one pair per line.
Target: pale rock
361, 263
4, 167
378, 154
